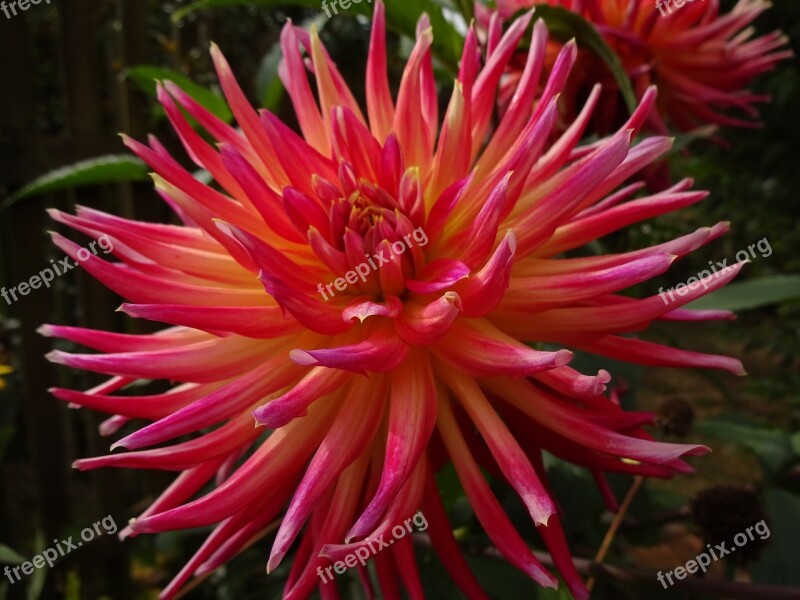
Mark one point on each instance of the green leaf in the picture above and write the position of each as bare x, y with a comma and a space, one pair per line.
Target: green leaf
578, 497
500, 580
113, 168
466, 8
401, 16
749, 295
145, 77
36, 584
269, 87
564, 24
9, 556
684, 140
773, 447
778, 564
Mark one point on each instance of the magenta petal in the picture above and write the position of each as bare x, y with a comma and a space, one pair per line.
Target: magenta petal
412, 417
429, 323
293, 404
438, 276
381, 352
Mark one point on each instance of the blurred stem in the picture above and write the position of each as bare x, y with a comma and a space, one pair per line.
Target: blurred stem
612, 531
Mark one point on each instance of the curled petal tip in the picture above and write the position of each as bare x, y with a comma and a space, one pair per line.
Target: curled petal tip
454, 299
45, 330
543, 518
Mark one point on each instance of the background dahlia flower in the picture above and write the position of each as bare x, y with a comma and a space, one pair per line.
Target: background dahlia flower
361, 398
701, 60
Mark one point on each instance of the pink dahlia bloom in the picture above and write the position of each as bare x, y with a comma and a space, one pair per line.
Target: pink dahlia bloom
360, 399
702, 61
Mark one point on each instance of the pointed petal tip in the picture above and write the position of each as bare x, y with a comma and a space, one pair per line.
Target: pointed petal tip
274, 561
722, 226
562, 357
301, 357
267, 416
56, 356
698, 450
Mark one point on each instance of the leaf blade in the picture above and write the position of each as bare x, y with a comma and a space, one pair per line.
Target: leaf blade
145, 77
563, 24
749, 295
110, 168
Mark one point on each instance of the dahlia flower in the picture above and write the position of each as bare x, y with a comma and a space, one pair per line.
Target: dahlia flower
361, 397
4, 370
701, 60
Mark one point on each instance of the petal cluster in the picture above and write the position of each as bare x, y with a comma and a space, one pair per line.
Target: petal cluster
701, 59
454, 350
